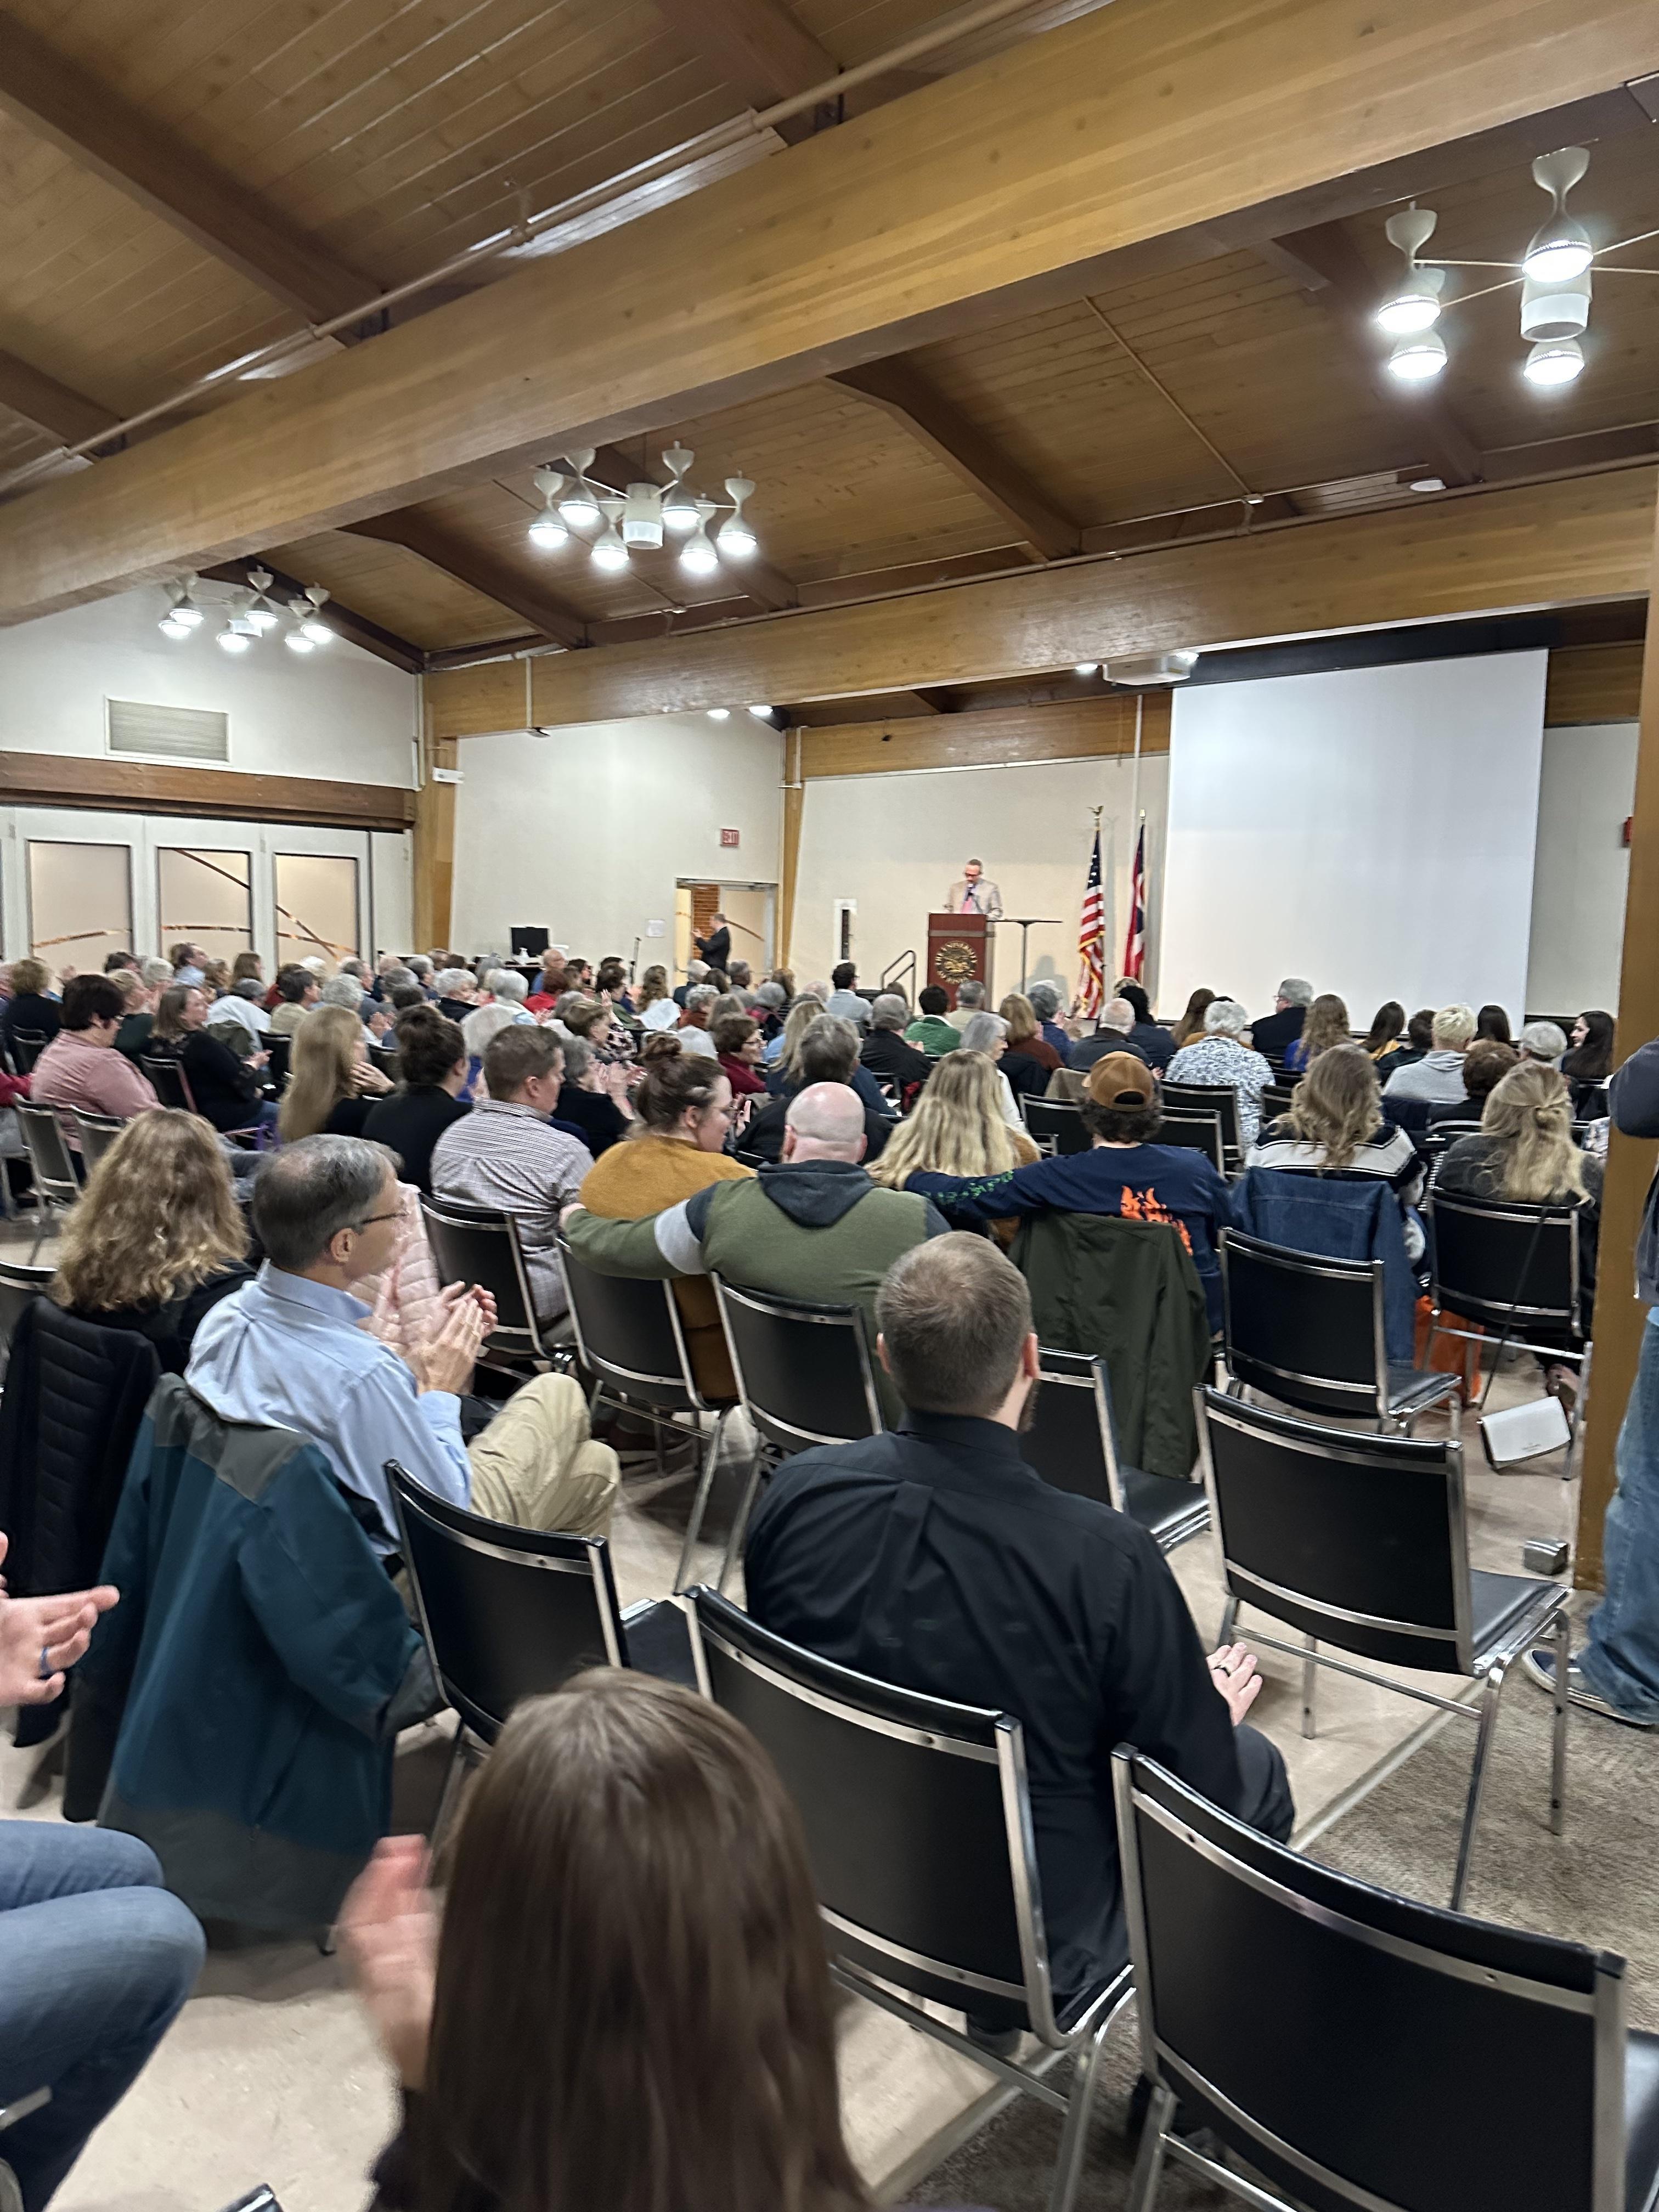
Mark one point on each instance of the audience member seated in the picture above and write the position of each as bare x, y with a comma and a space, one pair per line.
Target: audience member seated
1420, 1042
612, 982
594, 1021
989, 1033
885, 1054
932, 1557
696, 972
1589, 1063
957, 1129
342, 989
778, 1055
81, 1065
693, 1026
1543, 1041
1191, 1024
297, 991
1149, 1038
593, 1098
157, 1239
96, 1957
736, 1042
1046, 1002
1492, 1025
506, 1154
1112, 1034
629, 1857
1525, 1153
1335, 1127
549, 985
812, 1226
189, 964
1221, 1056
1277, 1032
740, 976
457, 992
481, 1022
432, 1063
970, 1000
289, 1350
770, 1000
331, 1085
1326, 1027
1028, 1058
932, 1031
29, 1011
241, 1004
138, 998
844, 1000
1485, 1065
1125, 1172
828, 1053
684, 1109
1381, 1040
224, 1086
1437, 1078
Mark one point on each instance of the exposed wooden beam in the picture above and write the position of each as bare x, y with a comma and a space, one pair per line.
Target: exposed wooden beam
1593, 683
48, 406
56, 98
1462, 553
896, 388
62, 779
757, 47
1348, 291
356, 630
475, 565
1059, 168
1076, 729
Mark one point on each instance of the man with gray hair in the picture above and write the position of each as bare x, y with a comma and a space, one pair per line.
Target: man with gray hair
290, 1349
1277, 1032
884, 1052
1046, 1002
970, 1000
1117, 1018
695, 972
933, 1556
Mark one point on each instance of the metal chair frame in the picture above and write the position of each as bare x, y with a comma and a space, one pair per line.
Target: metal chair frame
1220, 1099
1448, 1653
1057, 1375
611, 1387
1445, 1296
55, 1186
1058, 1115
949, 1731
1178, 1124
171, 1070
27, 1047
527, 1343
97, 1133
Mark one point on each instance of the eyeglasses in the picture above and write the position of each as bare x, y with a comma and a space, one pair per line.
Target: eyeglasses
369, 1219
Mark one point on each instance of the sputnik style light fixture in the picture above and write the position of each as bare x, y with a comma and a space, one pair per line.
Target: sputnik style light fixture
644, 514
251, 613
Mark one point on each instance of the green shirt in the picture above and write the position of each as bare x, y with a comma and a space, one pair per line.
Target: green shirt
932, 1033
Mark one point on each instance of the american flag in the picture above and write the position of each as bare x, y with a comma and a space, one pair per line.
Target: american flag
1134, 945
1091, 935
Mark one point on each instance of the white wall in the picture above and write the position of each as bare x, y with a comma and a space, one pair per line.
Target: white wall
896, 842
584, 831
1370, 829
1586, 793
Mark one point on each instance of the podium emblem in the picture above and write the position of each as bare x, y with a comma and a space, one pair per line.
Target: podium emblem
955, 960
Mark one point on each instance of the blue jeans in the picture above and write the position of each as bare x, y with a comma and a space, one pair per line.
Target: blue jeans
1621, 1659
96, 1958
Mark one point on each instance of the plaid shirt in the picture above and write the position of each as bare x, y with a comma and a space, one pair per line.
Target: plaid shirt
510, 1156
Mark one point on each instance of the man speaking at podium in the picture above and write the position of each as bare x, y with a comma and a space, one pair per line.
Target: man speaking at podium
971, 893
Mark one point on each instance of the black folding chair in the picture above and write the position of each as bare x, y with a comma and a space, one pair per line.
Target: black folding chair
97, 1133
167, 1079
1514, 1268
918, 1820
509, 1613
57, 1186
1405, 2059
277, 1047
1276, 1101
1073, 1444
630, 1338
1197, 1131
1310, 1332
478, 1245
19, 1286
1053, 1125
1218, 1098
27, 1047
1361, 1541
806, 1375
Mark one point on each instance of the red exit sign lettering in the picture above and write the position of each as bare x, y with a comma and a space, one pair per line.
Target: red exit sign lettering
729, 839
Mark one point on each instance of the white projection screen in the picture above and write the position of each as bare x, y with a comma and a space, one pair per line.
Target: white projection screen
1370, 829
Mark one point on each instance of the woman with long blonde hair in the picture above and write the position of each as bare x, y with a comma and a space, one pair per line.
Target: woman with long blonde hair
156, 1237
331, 1085
956, 1127
1335, 1127
802, 1015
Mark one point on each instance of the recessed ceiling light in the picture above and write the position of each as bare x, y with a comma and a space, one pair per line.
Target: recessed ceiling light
762, 714
1427, 484
719, 713
1086, 668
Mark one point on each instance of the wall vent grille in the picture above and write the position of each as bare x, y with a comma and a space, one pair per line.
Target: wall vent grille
187, 733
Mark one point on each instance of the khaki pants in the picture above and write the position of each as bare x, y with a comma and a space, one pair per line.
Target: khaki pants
537, 1466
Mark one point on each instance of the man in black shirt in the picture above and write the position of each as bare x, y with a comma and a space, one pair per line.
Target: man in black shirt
432, 1062
884, 1052
934, 1557
1275, 1033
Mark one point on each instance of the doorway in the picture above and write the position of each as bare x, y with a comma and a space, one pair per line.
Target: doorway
748, 910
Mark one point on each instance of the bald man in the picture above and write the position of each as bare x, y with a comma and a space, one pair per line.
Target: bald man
812, 1226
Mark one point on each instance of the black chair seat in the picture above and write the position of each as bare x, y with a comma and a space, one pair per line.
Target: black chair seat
660, 1642
1641, 2119
1169, 1508
1412, 1388
1499, 1604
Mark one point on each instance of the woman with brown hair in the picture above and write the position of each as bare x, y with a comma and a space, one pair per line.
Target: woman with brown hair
1326, 1026
628, 2006
1028, 1058
1382, 1038
1335, 1127
1191, 1025
654, 1002
156, 1237
331, 1085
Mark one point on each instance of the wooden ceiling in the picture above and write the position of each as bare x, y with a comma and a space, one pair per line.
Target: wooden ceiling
181, 184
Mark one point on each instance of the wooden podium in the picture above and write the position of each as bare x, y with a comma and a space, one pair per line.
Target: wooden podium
958, 951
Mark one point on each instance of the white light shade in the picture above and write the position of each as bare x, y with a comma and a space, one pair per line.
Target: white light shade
679, 509
734, 536
762, 714
318, 632
608, 551
719, 713
697, 556
187, 614
234, 641
1560, 249
548, 533
1086, 668
1557, 310
580, 508
1555, 361
263, 618
641, 522
1415, 359
1412, 307
170, 626
297, 641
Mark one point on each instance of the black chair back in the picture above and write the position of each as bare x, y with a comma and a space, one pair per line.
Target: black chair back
1356, 1539
97, 1133
19, 1286
1071, 1442
1384, 2075
506, 1614
1194, 1132
1054, 1126
1507, 1265
1218, 1098
49, 1155
385, 1057
27, 1047
1275, 1101
277, 1047
1306, 1329
629, 1336
917, 1813
479, 1245
167, 1079
805, 1372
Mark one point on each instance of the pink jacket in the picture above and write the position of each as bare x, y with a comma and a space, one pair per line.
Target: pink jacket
405, 1297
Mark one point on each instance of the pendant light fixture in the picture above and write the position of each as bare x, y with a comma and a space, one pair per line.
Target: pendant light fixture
579, 506
260, 612
697, 556
1560, 247
646, 513
679, 507
736, 537
642, 515
608, 551
548, 531
1414, 303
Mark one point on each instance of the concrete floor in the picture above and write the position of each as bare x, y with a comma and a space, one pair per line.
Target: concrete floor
270, 2073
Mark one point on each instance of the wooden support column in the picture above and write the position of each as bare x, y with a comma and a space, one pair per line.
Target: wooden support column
1620, 1315
795, 795
434, 841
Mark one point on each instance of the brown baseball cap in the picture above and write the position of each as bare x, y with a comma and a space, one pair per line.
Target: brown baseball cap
1119, 1078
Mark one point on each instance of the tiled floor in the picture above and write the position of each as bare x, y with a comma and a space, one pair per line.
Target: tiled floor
270, 2074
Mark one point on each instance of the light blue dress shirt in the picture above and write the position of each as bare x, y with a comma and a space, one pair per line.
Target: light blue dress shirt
290, 1353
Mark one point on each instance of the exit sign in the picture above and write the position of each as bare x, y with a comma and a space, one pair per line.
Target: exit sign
729, 839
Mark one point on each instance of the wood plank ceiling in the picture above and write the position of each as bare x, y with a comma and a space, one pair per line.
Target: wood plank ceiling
184, 181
